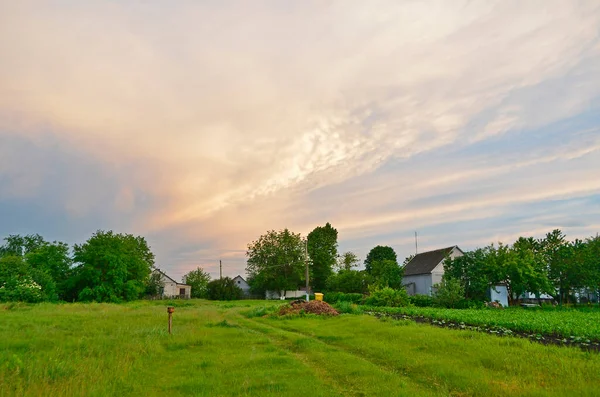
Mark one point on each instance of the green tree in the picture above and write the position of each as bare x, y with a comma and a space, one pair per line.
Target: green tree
322, 250
199, 280
19, 282
54, 260
471, 270
379, 253
276, 262
155, 284
112, 267
349, 281
347, 261
223, 289
386, 273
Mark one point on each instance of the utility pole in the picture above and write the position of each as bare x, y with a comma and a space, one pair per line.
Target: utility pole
306, 262
416, 244
220, 269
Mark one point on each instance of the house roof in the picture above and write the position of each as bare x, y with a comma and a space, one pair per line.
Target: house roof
239, 277
425, 262
164, 274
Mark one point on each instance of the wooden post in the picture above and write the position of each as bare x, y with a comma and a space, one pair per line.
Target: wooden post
170, 310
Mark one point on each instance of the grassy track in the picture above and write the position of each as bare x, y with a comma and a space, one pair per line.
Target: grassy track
216, 350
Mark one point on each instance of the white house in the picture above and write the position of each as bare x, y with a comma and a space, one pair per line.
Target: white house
172, 289
242, 284
427, 269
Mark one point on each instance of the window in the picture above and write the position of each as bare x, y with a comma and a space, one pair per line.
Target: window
239, 282
181, 291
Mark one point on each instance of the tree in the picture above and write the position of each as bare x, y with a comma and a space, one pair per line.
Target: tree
19, 282
199, 280
386, 273
154, 285
112, 267
322, 250
349, 281
54, 260
379, 253
448, 293
347, 261
223, 289
276, 262
471, 270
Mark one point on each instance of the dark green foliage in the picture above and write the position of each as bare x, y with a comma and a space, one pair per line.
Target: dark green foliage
223, 289
388, 297
199, 280
386, 273
322, 251
112, 267
276, 261
379, 253
335, 297
421, 300
349, 281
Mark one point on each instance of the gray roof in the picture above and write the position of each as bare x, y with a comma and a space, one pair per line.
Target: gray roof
425, 262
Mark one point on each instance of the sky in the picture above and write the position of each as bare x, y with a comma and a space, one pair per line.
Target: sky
201, 125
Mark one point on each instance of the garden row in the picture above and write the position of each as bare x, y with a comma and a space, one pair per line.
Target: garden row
565, 325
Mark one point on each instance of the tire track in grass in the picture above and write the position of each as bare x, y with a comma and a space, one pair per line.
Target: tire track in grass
346, 372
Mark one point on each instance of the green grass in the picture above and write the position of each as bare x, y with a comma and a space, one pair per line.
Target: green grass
230, 349
565, 323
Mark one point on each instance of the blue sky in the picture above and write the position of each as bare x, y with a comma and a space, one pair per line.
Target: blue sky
202, 125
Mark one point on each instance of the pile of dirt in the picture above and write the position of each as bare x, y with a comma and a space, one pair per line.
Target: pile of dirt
313, 307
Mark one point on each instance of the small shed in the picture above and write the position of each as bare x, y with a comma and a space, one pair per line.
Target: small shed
171, 288
242, 284
426, 269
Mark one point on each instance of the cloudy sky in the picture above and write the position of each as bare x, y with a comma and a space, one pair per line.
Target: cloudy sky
201, 125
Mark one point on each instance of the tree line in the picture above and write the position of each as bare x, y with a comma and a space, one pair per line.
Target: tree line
551, 265
277, 261
108, 267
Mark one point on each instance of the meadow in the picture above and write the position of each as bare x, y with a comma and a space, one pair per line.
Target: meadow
230, 349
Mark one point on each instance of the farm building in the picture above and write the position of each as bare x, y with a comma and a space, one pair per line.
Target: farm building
242, 284
172, 289
427, 269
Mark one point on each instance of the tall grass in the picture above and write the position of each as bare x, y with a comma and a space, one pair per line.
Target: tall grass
230, 349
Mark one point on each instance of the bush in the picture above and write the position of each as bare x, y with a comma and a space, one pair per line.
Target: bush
421, 300
335, 297
388, 297
349, 281
348, 308
223, 290
449, 293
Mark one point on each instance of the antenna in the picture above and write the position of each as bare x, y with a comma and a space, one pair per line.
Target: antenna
416, 244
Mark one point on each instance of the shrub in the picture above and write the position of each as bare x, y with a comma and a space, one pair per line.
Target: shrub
349, 281
335, 297
388, 297
421, 300
348, 308
448, 293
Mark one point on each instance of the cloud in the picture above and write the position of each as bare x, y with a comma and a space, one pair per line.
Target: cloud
217, 121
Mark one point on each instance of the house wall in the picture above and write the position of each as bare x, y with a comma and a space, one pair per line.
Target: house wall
171, 289
422, 284
242, 284
499, 293
288, 294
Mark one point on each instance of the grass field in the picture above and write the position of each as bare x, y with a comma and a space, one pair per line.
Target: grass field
225, 349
